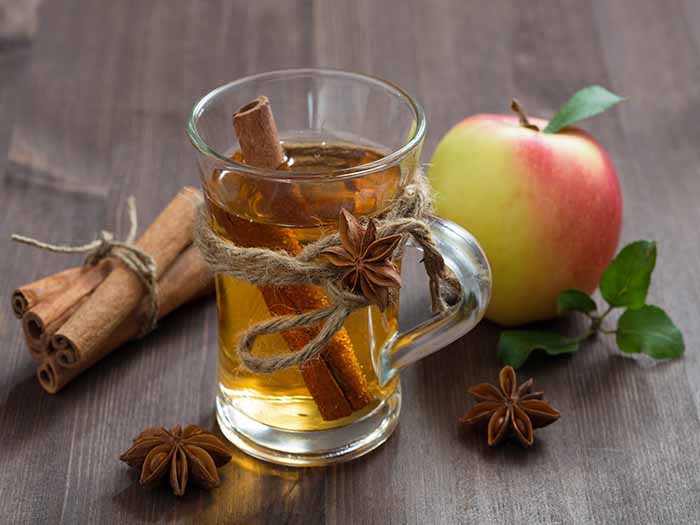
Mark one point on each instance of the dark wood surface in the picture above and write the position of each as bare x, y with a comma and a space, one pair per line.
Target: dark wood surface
94, 111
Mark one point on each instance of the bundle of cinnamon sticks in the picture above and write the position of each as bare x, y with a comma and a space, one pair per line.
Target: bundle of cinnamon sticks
74, 318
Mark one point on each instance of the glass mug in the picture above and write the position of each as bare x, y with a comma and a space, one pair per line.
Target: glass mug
351, 142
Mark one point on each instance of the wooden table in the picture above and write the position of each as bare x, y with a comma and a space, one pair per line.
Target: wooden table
94, 111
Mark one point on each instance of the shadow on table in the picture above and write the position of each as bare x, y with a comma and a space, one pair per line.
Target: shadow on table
23, 411
157, 504
592, 388
27, 406
250, 491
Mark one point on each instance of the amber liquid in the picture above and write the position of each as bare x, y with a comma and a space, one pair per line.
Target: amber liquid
251, 213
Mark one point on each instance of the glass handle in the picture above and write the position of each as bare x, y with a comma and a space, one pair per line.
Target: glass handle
466, 259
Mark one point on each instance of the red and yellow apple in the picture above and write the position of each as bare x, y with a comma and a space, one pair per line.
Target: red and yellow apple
545, 207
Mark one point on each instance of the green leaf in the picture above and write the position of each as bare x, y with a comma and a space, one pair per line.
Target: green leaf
515, 346
649, 330
575, 301
587, 102
626, 281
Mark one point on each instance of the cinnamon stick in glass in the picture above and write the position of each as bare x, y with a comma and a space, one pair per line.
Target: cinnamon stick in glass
84, 336
334, 379
186, 280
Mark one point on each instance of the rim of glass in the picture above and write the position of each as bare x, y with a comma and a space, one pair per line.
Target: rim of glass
388, 160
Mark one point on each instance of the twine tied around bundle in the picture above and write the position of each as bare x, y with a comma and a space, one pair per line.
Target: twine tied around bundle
407, 215
138, 261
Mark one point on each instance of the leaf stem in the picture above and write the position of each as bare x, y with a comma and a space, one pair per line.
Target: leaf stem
606, 312
597, 320
596, 325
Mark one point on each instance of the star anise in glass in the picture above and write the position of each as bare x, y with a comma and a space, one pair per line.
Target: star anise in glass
189, 452
370, 270
510, 410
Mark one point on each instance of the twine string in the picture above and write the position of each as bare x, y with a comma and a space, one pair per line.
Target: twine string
408, 216
137, 260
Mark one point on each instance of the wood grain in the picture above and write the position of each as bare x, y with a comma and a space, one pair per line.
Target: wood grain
94, 111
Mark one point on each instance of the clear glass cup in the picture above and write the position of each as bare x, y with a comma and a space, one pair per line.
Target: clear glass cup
293, 416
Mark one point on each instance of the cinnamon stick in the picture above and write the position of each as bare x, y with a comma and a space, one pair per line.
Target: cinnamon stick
334, 379
27, 296
87, 332
42, 321
186, 280
39, 341
257, 134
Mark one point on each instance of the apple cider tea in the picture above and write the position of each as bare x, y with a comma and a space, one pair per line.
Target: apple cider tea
314, 178
340, 385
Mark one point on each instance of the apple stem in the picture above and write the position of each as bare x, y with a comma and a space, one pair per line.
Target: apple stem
524, 122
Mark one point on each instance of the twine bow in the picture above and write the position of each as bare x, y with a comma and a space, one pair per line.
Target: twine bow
138, 261
261, 266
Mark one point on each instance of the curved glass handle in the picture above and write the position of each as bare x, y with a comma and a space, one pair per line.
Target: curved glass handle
466, 259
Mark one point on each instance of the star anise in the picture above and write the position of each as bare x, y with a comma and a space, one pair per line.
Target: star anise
370, 270
510, 410
189, 452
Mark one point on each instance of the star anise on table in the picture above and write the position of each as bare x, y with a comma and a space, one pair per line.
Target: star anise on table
370, 270
183, 453
510, 410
